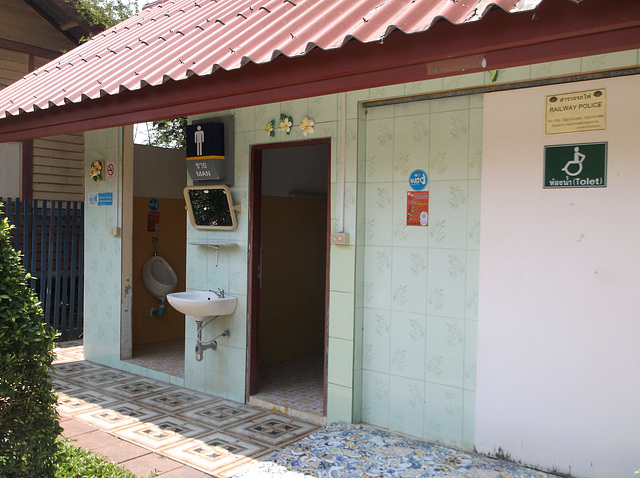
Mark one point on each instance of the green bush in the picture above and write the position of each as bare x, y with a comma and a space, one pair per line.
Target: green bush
28, 418
75, 462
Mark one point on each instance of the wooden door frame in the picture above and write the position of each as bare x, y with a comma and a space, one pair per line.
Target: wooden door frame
253, 294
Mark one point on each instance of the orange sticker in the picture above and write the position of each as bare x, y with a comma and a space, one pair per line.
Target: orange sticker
417, 208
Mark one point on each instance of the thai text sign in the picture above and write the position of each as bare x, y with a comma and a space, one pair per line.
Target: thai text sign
205, 149
576, 112
417, 208
575, 166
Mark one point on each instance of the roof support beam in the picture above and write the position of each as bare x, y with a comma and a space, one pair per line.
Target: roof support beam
559, 30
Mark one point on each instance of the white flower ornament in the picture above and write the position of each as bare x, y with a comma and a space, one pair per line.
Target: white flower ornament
306, 125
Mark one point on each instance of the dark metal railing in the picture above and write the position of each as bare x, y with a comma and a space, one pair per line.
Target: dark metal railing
50, 236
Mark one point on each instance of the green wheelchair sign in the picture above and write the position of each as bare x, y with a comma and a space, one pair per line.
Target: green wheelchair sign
575, 166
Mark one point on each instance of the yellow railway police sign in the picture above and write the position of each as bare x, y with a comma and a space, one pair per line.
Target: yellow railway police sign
576, 112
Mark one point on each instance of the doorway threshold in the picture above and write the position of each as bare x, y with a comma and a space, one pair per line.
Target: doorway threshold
255, 401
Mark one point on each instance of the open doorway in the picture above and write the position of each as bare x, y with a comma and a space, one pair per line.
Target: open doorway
156, 334
288, 286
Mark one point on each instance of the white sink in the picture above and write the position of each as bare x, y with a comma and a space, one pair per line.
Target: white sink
200, 303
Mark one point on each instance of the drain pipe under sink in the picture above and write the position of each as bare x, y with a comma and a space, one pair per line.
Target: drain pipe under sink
159, 312
212, 344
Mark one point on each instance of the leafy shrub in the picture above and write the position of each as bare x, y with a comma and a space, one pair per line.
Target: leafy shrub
75, 462
28, 418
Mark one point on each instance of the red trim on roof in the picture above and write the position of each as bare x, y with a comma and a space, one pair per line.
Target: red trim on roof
562, 29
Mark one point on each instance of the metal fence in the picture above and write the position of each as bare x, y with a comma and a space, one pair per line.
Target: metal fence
50, 236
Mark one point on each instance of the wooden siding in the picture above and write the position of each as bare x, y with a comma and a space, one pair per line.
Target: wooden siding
13, 66
58, 167
58, 161
20, 23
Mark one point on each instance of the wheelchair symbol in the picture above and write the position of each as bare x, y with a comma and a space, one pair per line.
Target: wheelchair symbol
578, 158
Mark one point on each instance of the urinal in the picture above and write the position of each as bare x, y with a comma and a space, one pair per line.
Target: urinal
159, 278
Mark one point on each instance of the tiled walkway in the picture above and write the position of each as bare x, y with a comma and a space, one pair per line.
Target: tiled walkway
156, 429
210, 434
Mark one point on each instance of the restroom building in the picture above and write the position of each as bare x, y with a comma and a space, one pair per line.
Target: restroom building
436, 233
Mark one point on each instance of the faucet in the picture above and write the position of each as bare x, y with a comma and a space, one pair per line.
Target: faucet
220, 293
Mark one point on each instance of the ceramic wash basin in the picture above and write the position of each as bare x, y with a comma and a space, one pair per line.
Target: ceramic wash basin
200, 303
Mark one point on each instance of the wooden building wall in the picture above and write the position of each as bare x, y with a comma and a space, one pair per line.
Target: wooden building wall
52, 168
20, 23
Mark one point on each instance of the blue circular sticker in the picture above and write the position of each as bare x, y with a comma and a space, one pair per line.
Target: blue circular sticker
418, 180
154, 204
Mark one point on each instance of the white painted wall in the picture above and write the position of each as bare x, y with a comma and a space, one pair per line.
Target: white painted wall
11, 168
558, 375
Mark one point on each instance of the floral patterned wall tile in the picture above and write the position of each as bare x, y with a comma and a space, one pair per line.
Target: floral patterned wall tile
375, 398
409, 279
443, 414
619, 59
447, 269
378, 277
377, 340
406, 405
445, 351
407, 350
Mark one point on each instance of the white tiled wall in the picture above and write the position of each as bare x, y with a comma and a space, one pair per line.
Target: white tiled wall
102, 253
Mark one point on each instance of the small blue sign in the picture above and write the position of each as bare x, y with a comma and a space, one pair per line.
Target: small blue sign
418, 180
101, 199
154, 204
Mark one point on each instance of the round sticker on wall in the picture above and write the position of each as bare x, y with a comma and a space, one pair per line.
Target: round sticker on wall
418, 180
154, 204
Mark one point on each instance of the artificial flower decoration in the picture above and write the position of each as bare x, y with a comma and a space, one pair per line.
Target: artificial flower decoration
306, 125
285, 124
96, 171
271, 128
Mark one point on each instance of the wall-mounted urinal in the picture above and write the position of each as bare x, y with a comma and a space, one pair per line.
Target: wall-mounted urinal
159, 278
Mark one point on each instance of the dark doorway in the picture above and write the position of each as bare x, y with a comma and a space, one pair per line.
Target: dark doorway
288, 284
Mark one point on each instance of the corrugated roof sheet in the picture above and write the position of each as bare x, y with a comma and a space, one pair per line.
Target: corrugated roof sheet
176, 39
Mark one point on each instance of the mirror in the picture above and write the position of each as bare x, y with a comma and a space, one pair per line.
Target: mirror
211, 207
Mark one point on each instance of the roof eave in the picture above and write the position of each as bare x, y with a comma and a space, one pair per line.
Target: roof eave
503, 39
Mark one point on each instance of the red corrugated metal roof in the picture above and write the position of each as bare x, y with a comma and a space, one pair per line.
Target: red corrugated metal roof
176, 39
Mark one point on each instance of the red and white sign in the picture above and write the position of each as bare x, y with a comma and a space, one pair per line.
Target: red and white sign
417, 208
111, 171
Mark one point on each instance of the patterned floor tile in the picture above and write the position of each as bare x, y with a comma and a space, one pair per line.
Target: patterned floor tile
221, 413
100, 378
345, 450
296, 384
227, 439
272, 430
118, 416
78, 402
63, 386
175, 399
167, 357
160, 433
71, 351
70, 369
213, 451
137, 388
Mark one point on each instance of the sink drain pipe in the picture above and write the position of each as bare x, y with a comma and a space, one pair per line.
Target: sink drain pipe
211, 344
159, 312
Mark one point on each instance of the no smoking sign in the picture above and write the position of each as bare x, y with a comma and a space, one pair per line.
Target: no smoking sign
111, 171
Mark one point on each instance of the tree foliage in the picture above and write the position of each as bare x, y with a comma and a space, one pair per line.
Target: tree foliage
28, 418
169, 133
105, 13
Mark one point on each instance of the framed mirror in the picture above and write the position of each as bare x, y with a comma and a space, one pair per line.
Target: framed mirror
211, 207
